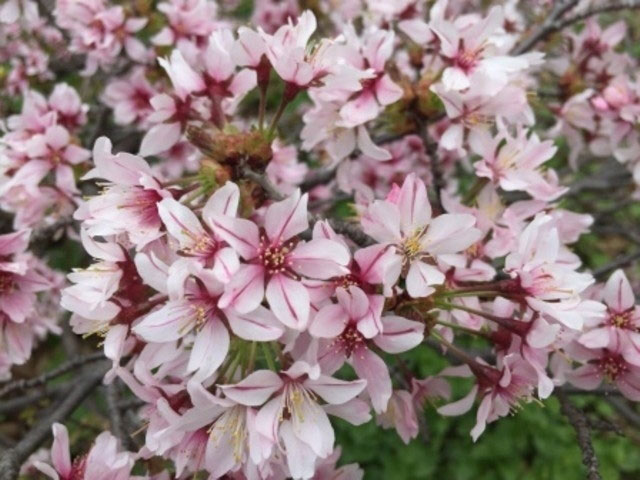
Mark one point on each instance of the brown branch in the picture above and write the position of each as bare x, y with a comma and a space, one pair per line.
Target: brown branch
12, 458
115, 416
23, 384
319, 177
619, 262
610, 7
580, 424
625, 410
547, 27
263, 181
18, 404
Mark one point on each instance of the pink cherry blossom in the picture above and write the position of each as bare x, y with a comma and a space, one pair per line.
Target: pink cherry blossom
275, 261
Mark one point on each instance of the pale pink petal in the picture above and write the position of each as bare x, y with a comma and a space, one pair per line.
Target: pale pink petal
372, 368
160, 138
450, 233
245, 291
370, 149
320, 259
596, 338
399, 334
287, 218
210, 349
387, 91
60, 457
300, 457
587, 377
335, 391
415, 210
183, 77
167, 324
259, 325
355, 411
373, 261
226, 264
360, 110
382, 221
460, 406
243, 235
255, 389
289, 301
224, 201
481, 418
181, 222
618, 294
329, 322
16, 242
420, 278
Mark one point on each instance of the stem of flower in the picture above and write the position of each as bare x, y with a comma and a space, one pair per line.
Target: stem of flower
262, 107
266, 351
252, 358
470, 293
276, 118
510, 324
461, 354
455, 326
193, 195
475, 189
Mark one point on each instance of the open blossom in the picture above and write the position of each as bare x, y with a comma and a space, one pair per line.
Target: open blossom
305, 432
378, 90
283, 208
550, 284
290, 57
129, 204
104, 461
473, 57
619, 327
101, 32
500, 390
275, 260
404, 221
50, 151
349, 326
516, 164
188, 21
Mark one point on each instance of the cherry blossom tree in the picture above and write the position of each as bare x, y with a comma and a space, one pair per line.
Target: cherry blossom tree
236, 230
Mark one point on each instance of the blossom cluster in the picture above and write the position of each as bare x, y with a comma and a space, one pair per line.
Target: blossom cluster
228, 295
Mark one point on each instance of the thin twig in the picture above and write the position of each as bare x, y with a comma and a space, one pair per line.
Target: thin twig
45, 377
318, 177
115, 417
580, 423
11, 459
20, 403
619, 262
546, 28
269, 188
610, 7
626, 411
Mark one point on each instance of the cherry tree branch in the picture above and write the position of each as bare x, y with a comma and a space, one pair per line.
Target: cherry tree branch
12, 459
626, 411
580, 423
115, 416
20, 403
554, 22
548, 26
619, 262
609, 7
73, 364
